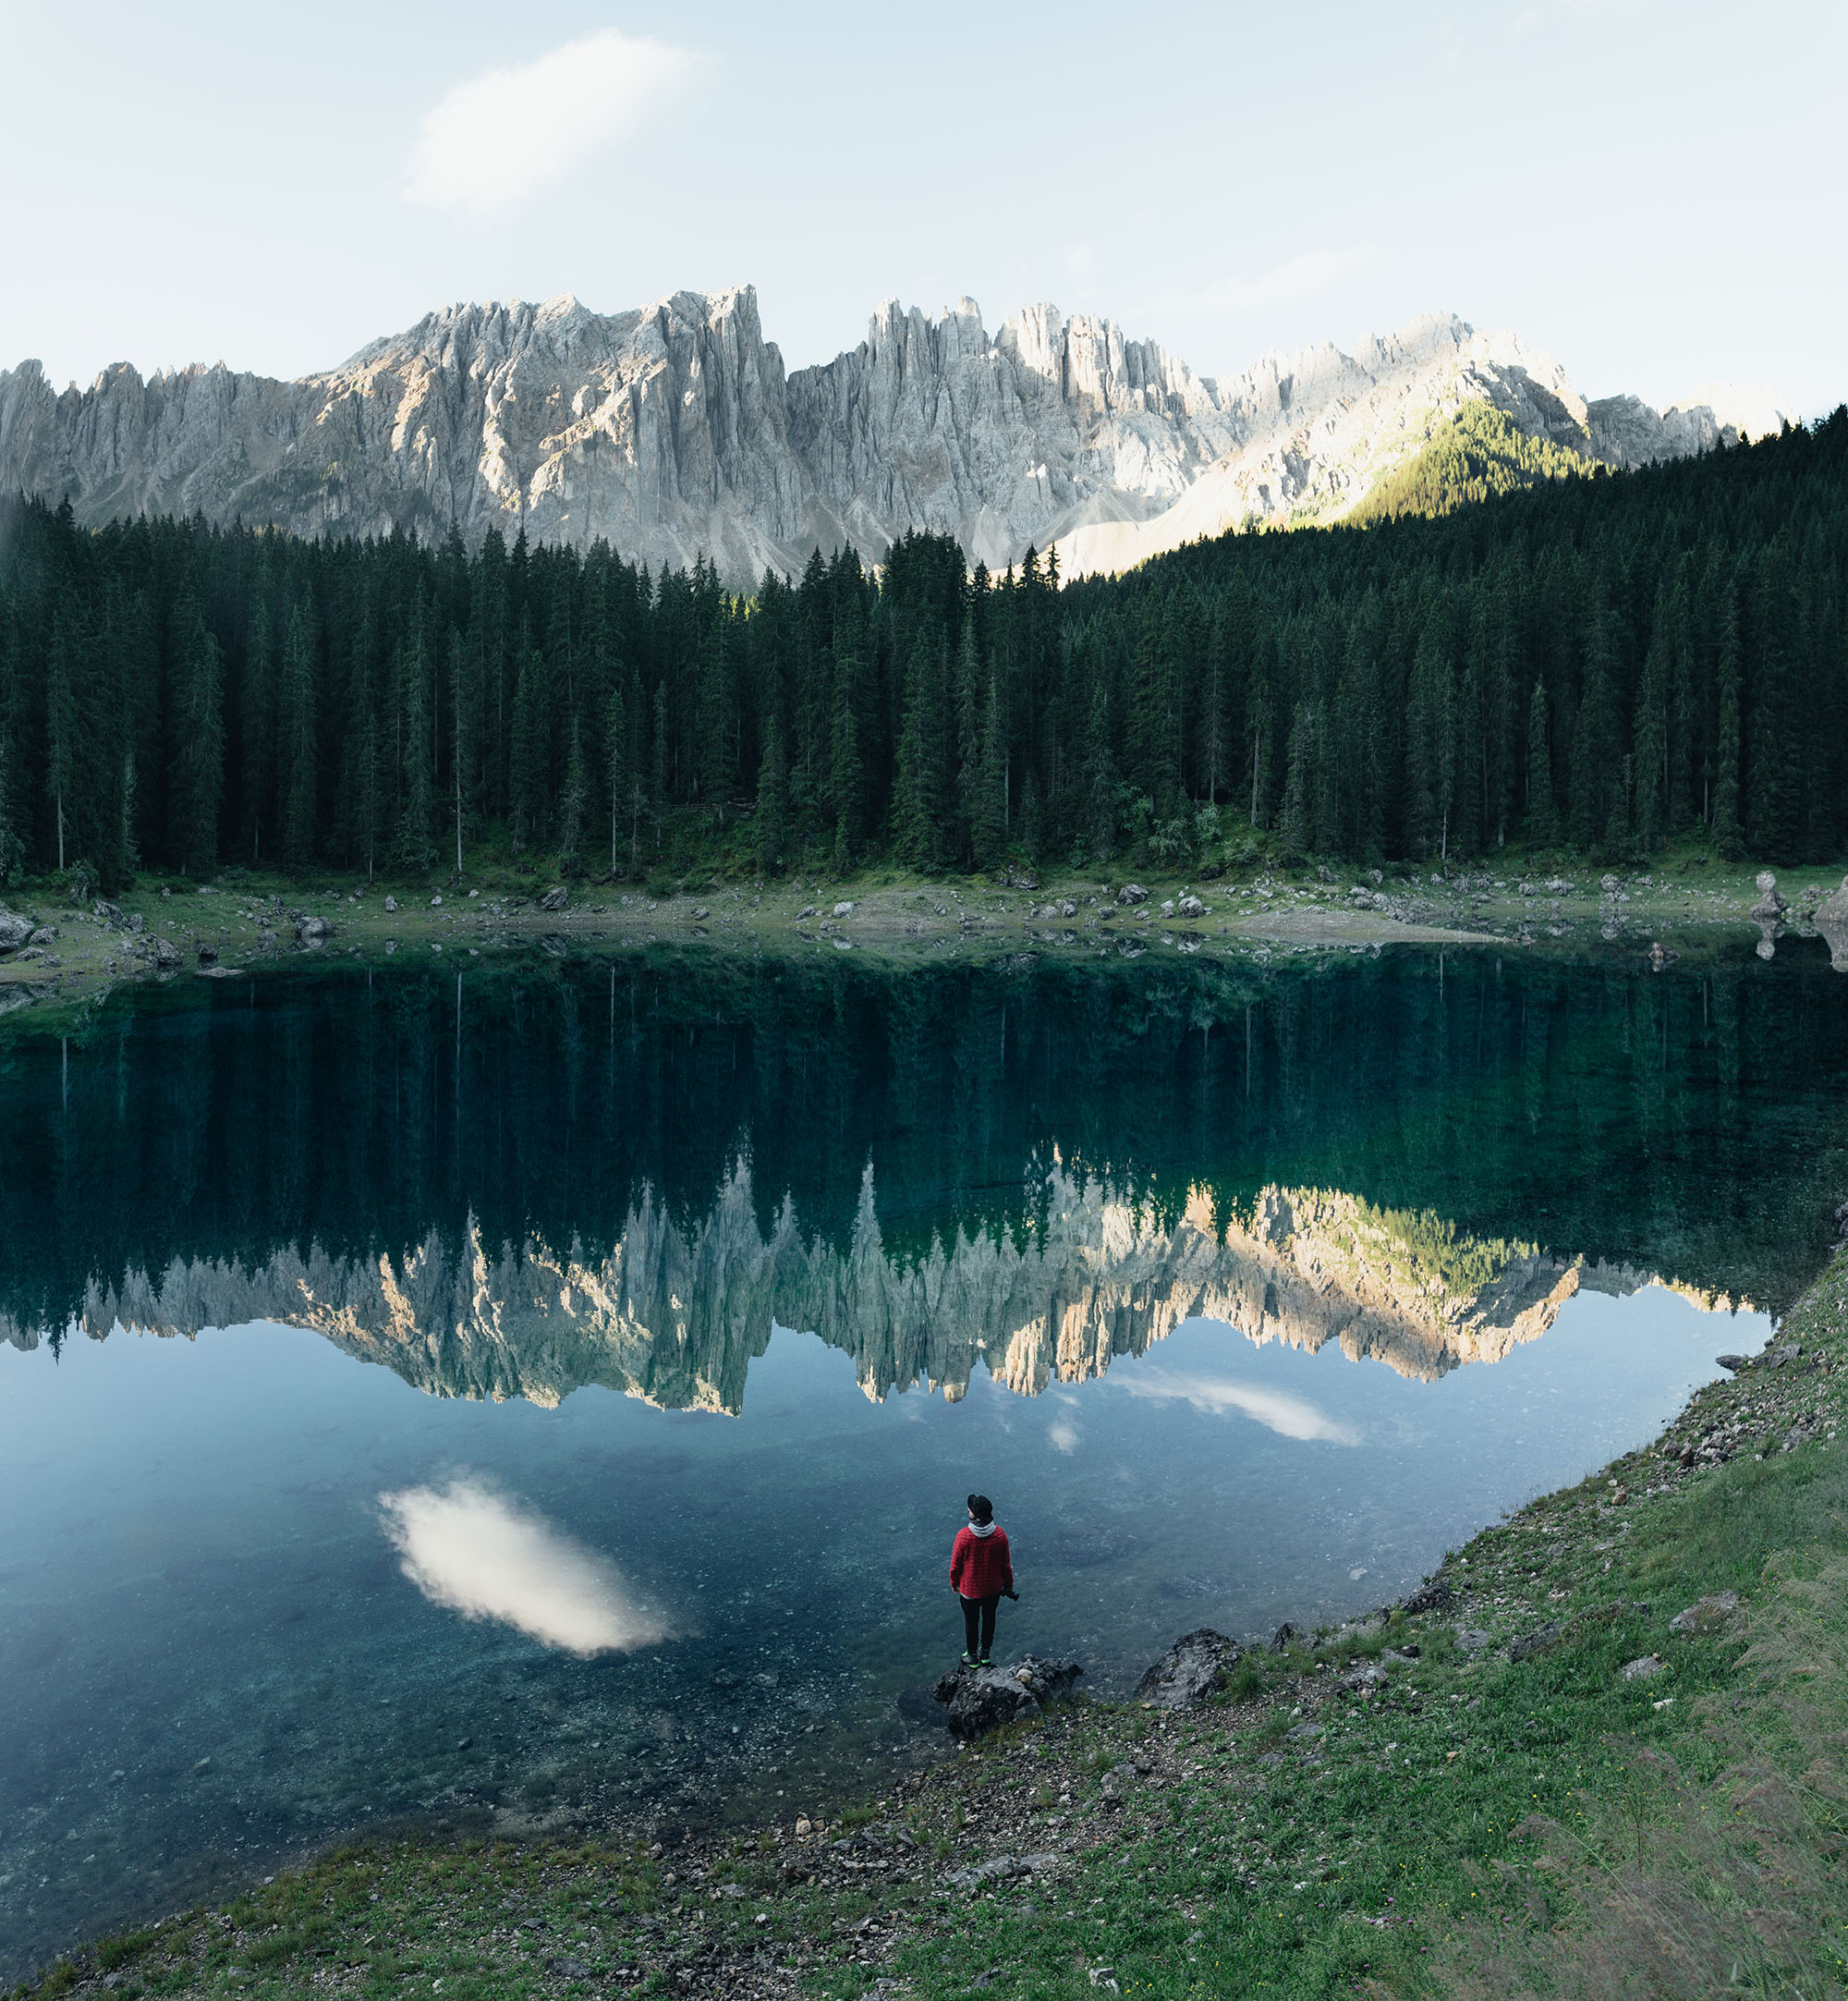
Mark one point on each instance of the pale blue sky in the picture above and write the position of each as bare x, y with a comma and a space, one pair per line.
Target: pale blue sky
1654, 193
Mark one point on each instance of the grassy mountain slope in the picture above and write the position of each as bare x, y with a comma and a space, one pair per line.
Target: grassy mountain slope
1480, 453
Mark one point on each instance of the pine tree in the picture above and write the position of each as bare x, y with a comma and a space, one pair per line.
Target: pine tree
658, 768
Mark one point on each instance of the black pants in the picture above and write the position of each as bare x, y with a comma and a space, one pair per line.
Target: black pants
978, 1613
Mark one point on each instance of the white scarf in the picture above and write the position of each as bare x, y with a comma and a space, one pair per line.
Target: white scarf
981, 1528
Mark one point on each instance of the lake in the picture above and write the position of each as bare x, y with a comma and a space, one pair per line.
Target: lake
546, 1397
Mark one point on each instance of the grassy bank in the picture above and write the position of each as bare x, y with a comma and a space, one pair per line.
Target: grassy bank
1471, 1799
171, 929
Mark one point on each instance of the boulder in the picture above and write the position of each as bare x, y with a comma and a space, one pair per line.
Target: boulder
208, 955
111, 914
1831, 921
1542, 1640
1473, 1640
555, 899
1001, 1868
45, 934
15, 930
1188, 1674
1661, 955
312, 930
166, 956
982, 1699
843, 909
1705, 1616
391, 906
1770, 903
1643, 1669
1132, 893
1190, 906
1284, 1638
1433, 1595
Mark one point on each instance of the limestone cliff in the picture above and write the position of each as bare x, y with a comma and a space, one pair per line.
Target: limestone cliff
675, 1314
674, 431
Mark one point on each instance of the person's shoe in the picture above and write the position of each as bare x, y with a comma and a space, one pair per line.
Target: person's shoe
984, 1661
968, 1660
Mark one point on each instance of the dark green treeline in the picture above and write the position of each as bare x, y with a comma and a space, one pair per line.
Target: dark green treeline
1592, 666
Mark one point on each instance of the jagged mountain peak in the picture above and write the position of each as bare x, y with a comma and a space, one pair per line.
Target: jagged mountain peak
672, 431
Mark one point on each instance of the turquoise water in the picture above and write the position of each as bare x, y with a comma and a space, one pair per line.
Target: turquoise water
549, 1403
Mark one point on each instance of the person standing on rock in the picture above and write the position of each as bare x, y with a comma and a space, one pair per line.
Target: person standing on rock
982, 1572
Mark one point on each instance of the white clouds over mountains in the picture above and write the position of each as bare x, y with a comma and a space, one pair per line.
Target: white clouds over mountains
509, 133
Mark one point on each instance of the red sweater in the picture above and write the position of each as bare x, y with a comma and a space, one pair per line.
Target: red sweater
980, 1565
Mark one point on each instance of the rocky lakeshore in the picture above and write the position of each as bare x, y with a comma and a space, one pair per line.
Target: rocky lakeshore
61, 953
1604, 1739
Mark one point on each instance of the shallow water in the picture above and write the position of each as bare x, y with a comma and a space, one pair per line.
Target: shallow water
377, 1344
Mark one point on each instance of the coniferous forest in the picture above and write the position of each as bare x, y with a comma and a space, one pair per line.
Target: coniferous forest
1592, 666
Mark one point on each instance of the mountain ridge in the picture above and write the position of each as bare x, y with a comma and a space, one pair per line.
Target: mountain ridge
674, 431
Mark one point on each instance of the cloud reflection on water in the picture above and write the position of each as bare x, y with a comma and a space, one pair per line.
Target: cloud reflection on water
1290, 1417
489, 1557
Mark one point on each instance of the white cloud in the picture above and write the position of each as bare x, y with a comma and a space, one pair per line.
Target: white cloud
1064, 1434
1299, 278
1291, 1417
488, 1557
508, 133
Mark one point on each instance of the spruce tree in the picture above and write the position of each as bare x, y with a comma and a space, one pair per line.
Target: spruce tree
62, 723
531, 754
297, 745
198, 762
1728, 828
575, 802
772, 800
257, 719
990, 830
616, 768
1542, 822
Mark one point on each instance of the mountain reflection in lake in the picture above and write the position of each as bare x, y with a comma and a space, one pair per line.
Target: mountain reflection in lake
1247, 1295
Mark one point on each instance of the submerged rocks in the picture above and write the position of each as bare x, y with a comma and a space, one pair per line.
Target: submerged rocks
982, 1699
312, 931
1188, 1674
1190, 907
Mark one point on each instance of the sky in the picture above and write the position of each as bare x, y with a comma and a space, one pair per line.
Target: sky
1651, 193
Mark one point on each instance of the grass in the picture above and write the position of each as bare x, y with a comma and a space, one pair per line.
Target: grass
1467, 1825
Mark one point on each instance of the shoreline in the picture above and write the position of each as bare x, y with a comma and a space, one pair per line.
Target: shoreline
245, 923
1268, 1818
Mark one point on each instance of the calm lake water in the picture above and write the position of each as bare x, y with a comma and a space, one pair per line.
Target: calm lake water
547, 1397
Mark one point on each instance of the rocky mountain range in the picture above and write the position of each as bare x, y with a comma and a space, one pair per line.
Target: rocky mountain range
675, 1313
675, 431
